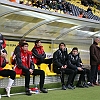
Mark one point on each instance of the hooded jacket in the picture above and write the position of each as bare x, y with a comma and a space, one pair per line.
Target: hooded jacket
38, 54
73, 61
23, 62
59, 59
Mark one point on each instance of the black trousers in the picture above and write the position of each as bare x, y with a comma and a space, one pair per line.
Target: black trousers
94, 71
6, 73
62, 73
46, 61
88, 73
81, 78
35, 72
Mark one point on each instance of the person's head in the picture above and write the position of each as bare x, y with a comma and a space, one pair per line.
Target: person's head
1, 36
75, 51
62, 46
38, 43
81, 12
22, 41
25, 47
97, 39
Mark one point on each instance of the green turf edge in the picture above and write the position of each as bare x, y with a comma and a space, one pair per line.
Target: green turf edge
19, 89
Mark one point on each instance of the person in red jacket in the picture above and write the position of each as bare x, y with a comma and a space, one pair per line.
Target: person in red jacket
6, 72
2, 42
25, 66
39, 54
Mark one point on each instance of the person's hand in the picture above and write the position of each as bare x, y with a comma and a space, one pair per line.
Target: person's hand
31, 71
79, 68
4, 55
14, 56
65, 66
62, 67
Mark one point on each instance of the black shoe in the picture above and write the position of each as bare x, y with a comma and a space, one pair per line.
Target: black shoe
28, 93
73, 86
70, 87
44, 90
90, 84
80, 86
63, 87
85, 85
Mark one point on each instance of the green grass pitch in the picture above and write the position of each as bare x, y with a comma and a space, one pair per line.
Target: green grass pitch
92, 93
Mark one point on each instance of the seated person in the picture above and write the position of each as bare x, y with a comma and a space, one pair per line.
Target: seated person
60, 66
39, 54
6, 72
25, 66
17, 50
74, 64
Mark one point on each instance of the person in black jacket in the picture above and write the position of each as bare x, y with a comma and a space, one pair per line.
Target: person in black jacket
60, 66
74, 64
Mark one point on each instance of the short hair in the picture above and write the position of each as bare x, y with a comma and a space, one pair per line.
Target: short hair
23, 44
62, 43
21, 41
81, 12
75, 48
95, 38
37, 41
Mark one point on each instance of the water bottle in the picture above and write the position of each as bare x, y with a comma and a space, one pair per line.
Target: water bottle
36, 89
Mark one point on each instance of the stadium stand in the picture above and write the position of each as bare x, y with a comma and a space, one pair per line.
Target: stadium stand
75, 7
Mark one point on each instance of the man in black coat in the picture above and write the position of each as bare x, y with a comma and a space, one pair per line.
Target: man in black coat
74, 64
60, 66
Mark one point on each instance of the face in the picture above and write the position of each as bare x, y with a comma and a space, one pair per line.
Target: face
97, 40
25, 47
74, 52
62, 46
39, 44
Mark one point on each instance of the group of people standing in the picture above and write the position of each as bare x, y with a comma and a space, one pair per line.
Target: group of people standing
63, 63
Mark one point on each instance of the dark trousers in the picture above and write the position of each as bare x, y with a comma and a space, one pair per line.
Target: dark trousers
6, 73
94, 71
88, 73
35, 72
62, 73
46, 61
81, 78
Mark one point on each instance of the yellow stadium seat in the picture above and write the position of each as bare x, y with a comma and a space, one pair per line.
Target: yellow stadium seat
17, 76
45, 68
1, 77
8, 67
36, 67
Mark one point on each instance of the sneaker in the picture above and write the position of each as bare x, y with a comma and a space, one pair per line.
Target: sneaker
85, 85
64, 87
44, 90
8, 91
28, 92
80, 86
70, 87
97, 84
90, 84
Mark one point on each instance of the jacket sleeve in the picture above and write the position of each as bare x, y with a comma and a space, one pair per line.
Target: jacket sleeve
92, 50
17, 50
39, 56
70, 65
55, 60
4, 63
19, 62
32, 65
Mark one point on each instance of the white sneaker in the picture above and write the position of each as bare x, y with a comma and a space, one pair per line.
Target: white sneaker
8, 91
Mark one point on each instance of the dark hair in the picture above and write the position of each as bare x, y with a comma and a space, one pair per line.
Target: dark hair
75, 48
21, 41
62, 43
81, 12
23, 44
37, 41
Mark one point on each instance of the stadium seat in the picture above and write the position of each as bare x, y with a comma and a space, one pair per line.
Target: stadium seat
46, 70
8, 67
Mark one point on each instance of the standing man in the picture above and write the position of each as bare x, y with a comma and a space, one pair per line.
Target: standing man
94, 60
60, 66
